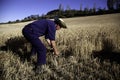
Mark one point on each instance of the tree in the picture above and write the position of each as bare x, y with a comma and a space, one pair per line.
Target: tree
9, 21
113, 4
61, 7
68, 8
80, 7
94, 8
86, 10
110, 4
118, 4
17, 20
61, 10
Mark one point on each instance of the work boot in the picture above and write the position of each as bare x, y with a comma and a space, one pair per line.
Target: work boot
40, 69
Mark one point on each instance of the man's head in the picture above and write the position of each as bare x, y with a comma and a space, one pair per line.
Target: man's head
59, 23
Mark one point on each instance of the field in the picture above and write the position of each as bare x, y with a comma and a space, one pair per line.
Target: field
89, 50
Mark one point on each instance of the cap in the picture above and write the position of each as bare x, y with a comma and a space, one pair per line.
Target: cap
60, 22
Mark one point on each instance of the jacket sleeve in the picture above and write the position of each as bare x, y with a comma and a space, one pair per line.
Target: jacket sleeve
51, 32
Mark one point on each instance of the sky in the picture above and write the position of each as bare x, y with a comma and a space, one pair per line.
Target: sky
11, 10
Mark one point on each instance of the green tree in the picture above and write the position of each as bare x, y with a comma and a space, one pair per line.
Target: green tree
80, 7
86, 10
61, 10
9, 21
17, 20
61, 7
94, 8
118, 4
68, 8
110, 4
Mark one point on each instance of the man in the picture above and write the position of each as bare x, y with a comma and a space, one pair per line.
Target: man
46, 28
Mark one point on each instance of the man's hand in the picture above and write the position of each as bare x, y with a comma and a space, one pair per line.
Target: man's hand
56, 53
54, 47
52, 44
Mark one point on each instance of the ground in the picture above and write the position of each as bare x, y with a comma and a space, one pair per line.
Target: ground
90, 50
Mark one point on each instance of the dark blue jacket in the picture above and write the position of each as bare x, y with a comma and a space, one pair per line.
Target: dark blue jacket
45, 28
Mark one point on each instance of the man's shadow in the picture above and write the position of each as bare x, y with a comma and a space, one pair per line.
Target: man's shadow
108, 52
19, 46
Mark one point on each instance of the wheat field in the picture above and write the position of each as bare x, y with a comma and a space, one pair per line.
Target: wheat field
89, 50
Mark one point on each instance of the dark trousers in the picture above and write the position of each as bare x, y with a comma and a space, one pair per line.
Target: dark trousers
37, 45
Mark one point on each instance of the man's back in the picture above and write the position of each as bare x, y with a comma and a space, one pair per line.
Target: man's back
44, 27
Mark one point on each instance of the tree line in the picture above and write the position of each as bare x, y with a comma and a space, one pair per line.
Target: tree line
112, 5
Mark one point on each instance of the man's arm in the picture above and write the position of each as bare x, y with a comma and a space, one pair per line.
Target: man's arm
52, 44
54, 47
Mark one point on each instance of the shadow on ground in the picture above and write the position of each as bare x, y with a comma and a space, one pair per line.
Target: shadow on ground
108, 52
19, 46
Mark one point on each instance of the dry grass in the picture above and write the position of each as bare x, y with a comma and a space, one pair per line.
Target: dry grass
90, 50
